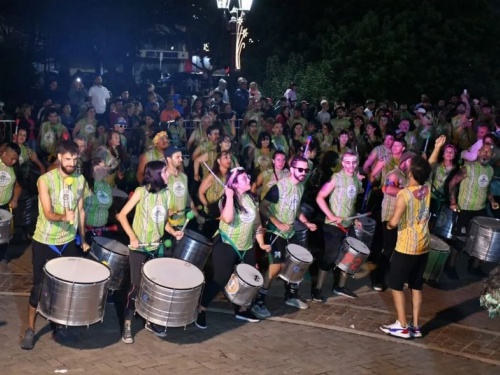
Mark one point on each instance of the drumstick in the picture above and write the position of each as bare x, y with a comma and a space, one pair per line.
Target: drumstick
427, 141
213, 174
189, 216
307, 145
364, 231
144, 245
69, 181
275, 238
357, 216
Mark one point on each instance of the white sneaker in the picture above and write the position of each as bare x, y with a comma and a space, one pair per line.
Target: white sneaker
296, 302
395, 329
260, 311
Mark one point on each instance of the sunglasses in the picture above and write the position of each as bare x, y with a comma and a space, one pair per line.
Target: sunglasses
302, 170
121, 125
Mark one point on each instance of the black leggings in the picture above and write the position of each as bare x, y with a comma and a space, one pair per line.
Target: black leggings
224, 259
136, 261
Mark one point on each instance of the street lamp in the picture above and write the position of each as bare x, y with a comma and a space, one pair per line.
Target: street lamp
238, 32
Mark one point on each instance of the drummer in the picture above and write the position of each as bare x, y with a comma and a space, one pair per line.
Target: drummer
234, 241
56, 228
82, 156
145, 234
98, 198
342, 191
27, 154
10, 190
211, 191
160, 144
270, 177
474, 179
280, 208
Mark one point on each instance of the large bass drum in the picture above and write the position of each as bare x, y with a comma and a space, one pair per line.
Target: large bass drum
483, 241
170, 292
115, 255
74, 291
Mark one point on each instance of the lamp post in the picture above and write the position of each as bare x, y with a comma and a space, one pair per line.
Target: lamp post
238, 32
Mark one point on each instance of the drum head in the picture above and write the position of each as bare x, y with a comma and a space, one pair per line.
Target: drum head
77, 270
300, 253
197, 237
112, 245
249, 274
438, 244
5, 216
357, 245
488, 222
173, 273
299, 226
367, 221
119, 193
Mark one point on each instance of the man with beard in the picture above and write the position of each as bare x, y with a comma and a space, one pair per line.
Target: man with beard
474, 180
342, 190
61, 214
51, 132
160, 142
280, 208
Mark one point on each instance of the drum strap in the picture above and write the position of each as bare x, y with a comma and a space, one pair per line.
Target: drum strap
55, 249
241, 254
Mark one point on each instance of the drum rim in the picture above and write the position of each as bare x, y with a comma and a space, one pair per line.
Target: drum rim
348, 238
174, 260
235, 272
294, 257
46, 272
484, 218
110, 250
8, 215
189, 232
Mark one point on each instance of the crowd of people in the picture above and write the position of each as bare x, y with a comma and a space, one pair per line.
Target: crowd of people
248, 166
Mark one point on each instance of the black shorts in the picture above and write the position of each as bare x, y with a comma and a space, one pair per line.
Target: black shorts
278, 248
407, 268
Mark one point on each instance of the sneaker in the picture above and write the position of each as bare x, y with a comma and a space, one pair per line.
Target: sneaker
156, 329
201, 320
247, 316
28, 341
62, 336
395, 329
317, 296
297, 302
127, 334
343, 291
378, 287
414, 331
260, 311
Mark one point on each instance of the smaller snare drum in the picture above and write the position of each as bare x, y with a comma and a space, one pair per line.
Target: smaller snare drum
5, 220
446, 219
115, 255
300, 235
297, 262
243, 285
352, 255
437, 259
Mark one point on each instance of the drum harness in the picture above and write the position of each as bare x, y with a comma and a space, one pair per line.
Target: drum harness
238, 252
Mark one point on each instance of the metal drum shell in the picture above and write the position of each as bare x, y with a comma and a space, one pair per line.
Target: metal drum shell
5, 221
193, 248
168, 306
483, 240
242, 291
436, 260
368, 226
349, 258
296, 263
445, 220
70, 303
102, 251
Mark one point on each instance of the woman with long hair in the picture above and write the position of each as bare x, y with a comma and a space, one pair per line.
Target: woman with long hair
150, 223
210, 156
297, 138
262, 160
211, 191
269, 177
325, 137
29, 124
234, 242
371, 139
113, 155
197, 110
87, 128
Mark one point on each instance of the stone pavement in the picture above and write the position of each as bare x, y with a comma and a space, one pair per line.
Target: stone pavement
339, 336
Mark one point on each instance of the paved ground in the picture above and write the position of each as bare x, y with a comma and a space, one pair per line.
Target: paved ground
340, 336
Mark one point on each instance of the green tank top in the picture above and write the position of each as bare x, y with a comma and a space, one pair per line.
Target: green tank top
25, 154
97, 204
150, 215
87, 129
262, 161
440, 175
269, 180
62, 197
239, 233
213, 195
178, 188
474, 188
343, 197
7, 183
50, 135
286, 208
389, 202
154, 154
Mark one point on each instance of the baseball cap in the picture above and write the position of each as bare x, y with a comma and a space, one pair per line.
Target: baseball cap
170, 150
121, 121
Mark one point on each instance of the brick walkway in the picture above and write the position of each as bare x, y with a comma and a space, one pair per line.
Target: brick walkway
341, 335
